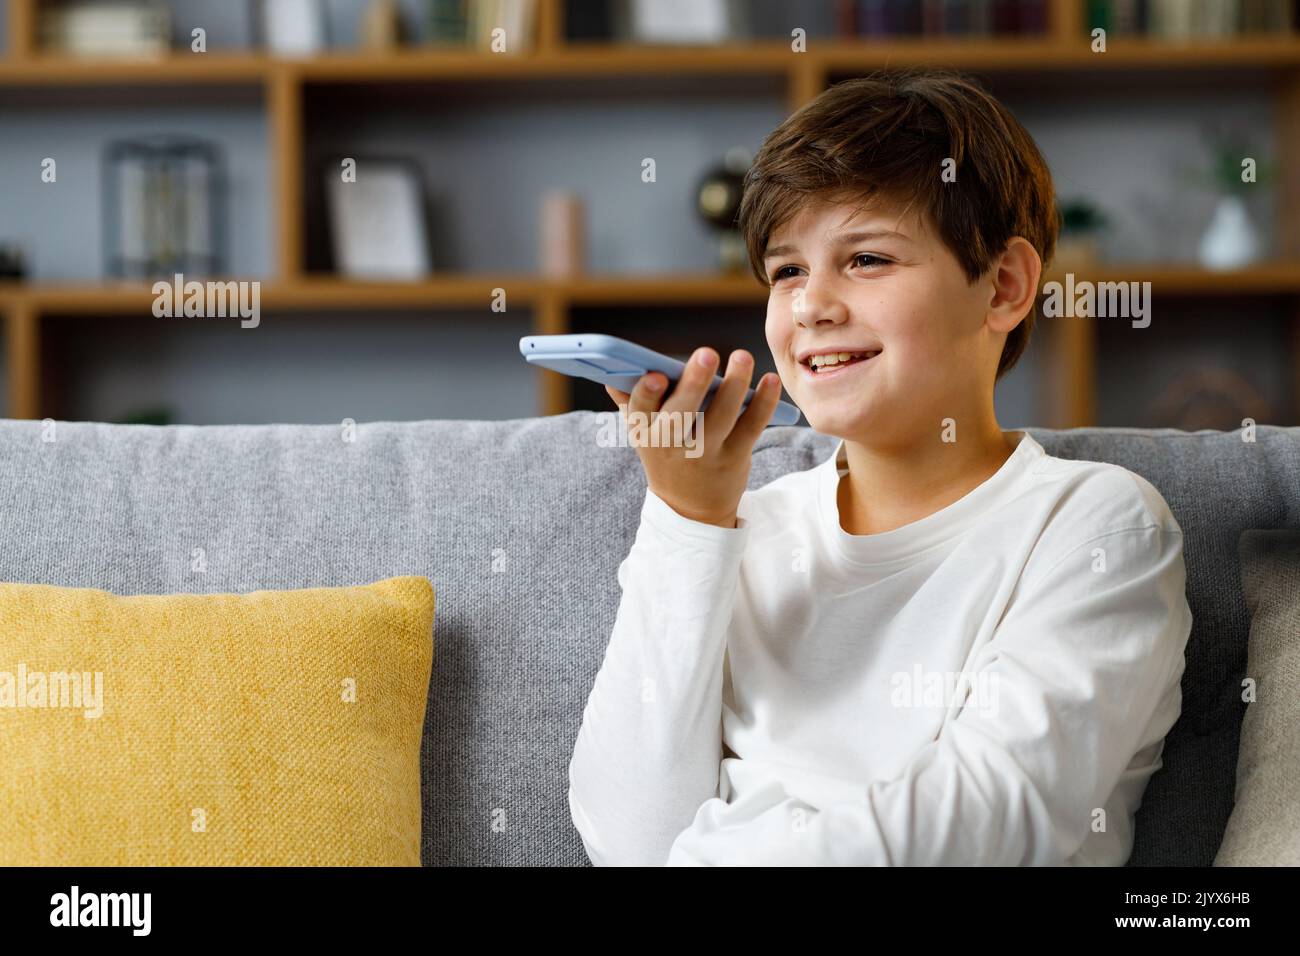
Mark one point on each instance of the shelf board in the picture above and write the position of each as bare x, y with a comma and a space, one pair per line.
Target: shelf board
324, 293
446, 291
595, 60
1006, 54
475, 290
1012, 54
172, 68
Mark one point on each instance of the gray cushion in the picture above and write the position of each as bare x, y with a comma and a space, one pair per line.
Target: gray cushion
521, 526
1264, 829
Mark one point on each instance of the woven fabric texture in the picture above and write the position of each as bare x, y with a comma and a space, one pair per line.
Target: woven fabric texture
271, 728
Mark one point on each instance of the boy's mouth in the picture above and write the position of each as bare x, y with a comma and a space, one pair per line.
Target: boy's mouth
821, 366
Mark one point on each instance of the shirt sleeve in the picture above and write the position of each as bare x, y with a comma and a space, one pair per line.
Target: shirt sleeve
1079, 669
648, 751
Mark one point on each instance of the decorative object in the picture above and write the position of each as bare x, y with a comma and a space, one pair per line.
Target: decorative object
1231, 239
377, 222
562, 235
381, 26
13, 260
294, 27
164, 208
295, 714
1209, 397
116, 28
1078, 246
717, 199
680, 21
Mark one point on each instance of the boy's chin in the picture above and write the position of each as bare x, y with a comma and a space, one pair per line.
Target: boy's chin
849, 425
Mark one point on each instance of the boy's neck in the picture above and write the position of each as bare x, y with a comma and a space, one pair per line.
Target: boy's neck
889, 487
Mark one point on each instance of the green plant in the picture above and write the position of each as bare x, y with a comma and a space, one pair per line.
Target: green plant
157, 415
1228, 149
1081, 216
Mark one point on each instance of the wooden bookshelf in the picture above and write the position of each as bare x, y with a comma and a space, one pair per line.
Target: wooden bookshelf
472, 290
1063, 51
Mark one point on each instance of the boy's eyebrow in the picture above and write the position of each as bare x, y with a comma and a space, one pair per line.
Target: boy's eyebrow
843, 239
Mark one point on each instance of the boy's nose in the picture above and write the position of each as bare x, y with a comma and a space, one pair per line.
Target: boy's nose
818, 302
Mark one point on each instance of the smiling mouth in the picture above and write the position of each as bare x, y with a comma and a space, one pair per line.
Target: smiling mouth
830, 371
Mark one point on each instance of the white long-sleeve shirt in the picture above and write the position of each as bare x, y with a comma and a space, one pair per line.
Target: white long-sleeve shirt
990, 684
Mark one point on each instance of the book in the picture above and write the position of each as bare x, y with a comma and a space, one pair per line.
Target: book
584, 20
121, 28
943, 18
448, 23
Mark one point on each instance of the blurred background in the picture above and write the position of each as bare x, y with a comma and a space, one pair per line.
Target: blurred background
416, 184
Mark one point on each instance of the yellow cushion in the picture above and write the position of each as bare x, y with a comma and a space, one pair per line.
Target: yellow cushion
272, 728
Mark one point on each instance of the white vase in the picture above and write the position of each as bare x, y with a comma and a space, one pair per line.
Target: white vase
1230, 240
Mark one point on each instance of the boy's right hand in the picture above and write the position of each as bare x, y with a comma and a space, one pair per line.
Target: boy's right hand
708, 487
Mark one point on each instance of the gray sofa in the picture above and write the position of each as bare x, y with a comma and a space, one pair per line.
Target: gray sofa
521, 526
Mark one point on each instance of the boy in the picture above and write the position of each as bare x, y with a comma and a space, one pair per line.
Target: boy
940, 646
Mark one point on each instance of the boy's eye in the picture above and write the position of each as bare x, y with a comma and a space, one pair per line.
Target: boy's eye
874, 260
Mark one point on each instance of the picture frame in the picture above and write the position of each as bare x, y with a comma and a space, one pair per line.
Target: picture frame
378, 224
291, 28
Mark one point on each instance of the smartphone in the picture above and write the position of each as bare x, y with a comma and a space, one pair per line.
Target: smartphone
610, 360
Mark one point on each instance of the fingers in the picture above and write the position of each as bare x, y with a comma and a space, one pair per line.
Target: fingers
755, 418
688, 394
725, 406
648, 393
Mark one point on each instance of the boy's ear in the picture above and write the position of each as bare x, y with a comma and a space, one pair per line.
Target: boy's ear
1015, 284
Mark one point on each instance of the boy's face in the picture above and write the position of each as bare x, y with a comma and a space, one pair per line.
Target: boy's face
901, 292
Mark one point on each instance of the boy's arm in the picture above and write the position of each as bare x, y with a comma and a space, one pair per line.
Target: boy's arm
649, 748
1078, 669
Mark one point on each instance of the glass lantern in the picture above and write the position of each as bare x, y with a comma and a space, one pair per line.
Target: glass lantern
164, 208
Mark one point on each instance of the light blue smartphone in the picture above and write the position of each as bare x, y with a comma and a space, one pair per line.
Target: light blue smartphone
610, 360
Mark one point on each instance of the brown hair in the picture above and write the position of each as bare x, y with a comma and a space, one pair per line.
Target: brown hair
888, 134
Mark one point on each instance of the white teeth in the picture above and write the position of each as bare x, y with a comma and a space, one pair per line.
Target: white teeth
835, 358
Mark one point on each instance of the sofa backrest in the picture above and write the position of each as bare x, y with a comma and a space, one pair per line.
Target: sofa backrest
521, 526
